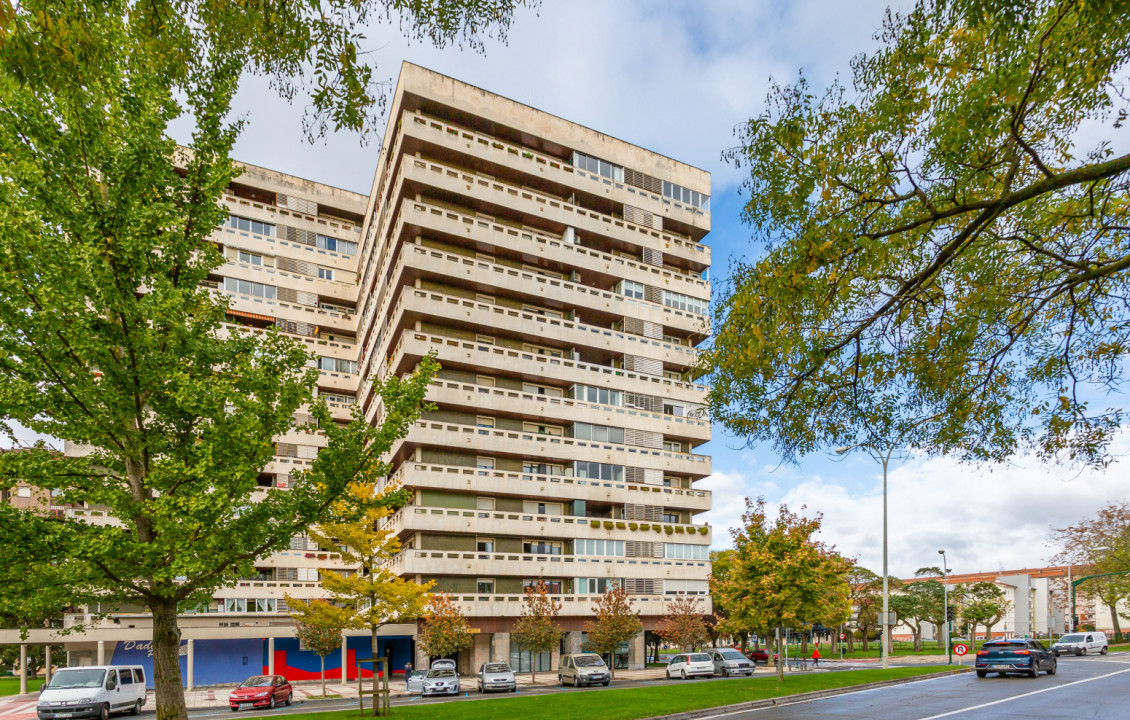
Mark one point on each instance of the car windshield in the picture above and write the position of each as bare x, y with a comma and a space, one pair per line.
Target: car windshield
731, 655
257, 681
698, 657
588, 661
64, 679
441, 673
1071, 638
418, 674
497, 668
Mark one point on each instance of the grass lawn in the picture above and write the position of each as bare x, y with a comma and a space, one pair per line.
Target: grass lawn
11, 685
634, 703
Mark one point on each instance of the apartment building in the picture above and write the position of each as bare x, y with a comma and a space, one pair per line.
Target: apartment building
560, 278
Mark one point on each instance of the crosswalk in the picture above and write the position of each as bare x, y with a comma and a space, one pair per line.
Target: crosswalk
17, 709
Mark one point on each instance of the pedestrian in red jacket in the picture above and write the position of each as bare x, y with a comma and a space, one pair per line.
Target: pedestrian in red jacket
816, 657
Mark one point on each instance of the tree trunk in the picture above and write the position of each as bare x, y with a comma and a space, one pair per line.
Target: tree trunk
850, 641
323, 657
612, 665
1114, 622
534, 669
866, 631
373, 665
780, 657
803, 656
167, 685
918, 639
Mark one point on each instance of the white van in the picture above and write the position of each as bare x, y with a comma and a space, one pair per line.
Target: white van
94, 691
1081, 643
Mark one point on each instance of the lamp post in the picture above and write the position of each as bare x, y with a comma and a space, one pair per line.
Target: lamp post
946, 604
884, 645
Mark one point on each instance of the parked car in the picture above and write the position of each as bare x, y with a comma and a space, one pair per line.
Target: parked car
1015, 656
496, 676
690, 665
261, 691
443, 664
758, 655
1081, 644
93, 691
443, 681
583, 669
728, 662
415, 682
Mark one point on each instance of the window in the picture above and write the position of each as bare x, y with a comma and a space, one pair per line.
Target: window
24, 492
672, 446
338, 365
542, 468
680, 194
604, 396
484, 503
235, 605
685, 302
631, 289
541, 508
485, 380
671, 518
485, 299
484, 339
683, 551
598, 167
598, 471
484, 545
484, 422
485, 586
484, 463
551, 586
555, 430
126, 677
677, 410
246, 287
250, 258
344, 247
340, 399
541, 390
596, 586
585, 546
265, 605
598, 433
248, 225
325, 273
541, 547
540, 350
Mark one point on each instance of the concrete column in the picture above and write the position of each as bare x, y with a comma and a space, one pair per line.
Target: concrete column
101, 652
270, 656
555, 658
500, 647
190, 680
344, 659
420, 658
23, 669
47, 662
480, 652
573, 642
637, 653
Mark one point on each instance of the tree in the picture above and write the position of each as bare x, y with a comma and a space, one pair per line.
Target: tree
782, 576
615, 623
445, 630
537, 631
373, 595
944, 245
984, 604
912, 606
109, 341
1096, 546
653, 641
318, 626
934, 596
722, 621
865, 602
682, 626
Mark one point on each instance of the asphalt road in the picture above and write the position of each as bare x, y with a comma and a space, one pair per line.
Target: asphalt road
1096, 688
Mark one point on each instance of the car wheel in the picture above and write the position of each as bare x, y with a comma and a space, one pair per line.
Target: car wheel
683, 674
667, 673
1034, 671
1053, 668
289, 697
104, 712
606, 683
1082, 651
271, 704
981, 673
1103, 651
136, 709
235, 709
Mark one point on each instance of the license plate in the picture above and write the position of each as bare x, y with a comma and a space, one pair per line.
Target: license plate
64, 715
1000, 667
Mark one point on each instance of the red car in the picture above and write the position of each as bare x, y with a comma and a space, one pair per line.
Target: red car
261, 691
758, 655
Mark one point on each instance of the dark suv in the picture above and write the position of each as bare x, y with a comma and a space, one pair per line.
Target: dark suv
1015, 656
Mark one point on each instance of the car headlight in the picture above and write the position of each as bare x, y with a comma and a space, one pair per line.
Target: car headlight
264, 693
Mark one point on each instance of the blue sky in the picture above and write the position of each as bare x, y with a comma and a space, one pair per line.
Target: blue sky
677, 78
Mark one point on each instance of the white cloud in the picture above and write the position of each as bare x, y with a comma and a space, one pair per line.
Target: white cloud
989, 518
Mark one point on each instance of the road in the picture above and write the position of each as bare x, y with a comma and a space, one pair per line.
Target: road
1097, 688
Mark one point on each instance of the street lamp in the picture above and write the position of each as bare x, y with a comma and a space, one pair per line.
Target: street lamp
883, 647
946, 604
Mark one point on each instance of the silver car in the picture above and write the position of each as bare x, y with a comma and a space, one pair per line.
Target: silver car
729, 662
496, 676
415, 684
441, 682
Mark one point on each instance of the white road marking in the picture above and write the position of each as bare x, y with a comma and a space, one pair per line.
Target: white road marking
1024, 695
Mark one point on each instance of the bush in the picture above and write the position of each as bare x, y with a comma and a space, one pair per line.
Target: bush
657, 528
679, 529
633, 527
608, 525
668, 529
621, 526
645, 527
703, 530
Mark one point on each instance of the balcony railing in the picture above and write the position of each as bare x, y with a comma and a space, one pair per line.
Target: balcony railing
580, 563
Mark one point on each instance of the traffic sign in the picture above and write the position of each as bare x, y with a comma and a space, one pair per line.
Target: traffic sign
843, 637
960, 649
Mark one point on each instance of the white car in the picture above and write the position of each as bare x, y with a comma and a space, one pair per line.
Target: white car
441, 682
583, 669
729, 662
496, 676
94, 691
690, 665
1081, 644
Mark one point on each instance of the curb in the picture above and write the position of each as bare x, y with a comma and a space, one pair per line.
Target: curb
801, 697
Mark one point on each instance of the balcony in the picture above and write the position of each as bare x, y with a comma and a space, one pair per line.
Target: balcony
488, 441
488, 522
571, 605
547, 487
435, 562
565, 410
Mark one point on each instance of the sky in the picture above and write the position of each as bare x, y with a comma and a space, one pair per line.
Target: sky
677, 78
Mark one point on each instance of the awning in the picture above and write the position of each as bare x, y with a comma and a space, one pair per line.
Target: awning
250, 316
